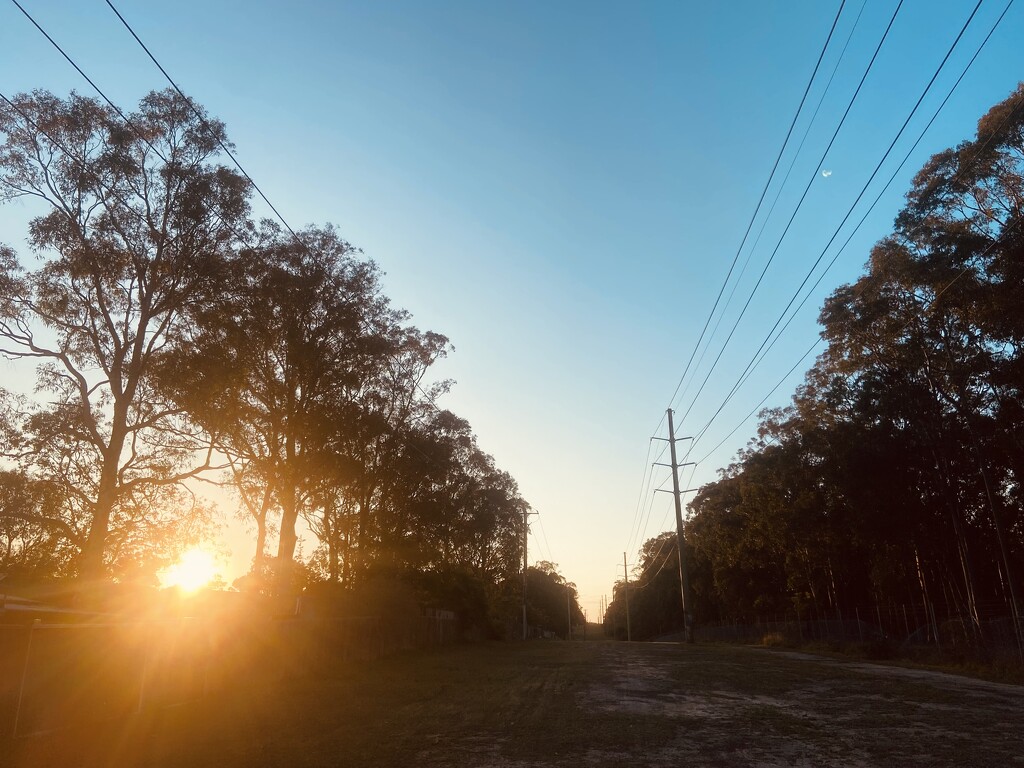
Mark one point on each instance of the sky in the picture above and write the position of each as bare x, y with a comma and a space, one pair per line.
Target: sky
560, 188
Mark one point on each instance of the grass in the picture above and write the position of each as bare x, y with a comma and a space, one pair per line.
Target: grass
434, 708
1010, 671
556, 704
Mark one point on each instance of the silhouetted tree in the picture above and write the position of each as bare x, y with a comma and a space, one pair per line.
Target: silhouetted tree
138, 223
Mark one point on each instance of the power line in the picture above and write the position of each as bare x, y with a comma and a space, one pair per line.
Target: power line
540, 519
757, 208
763, 399
637, 516
750, 369
796, 210
755, 360
930, 304
89, 80
647, 519
206, 125
202, 118
778, 194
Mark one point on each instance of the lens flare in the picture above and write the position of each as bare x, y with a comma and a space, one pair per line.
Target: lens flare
194, 570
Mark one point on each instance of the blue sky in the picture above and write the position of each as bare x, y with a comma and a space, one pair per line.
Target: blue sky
559, 187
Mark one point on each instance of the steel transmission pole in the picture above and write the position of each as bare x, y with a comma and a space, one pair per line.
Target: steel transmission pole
684, 578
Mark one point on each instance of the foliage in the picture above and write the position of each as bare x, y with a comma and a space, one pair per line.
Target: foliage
552, 602
178, 340
895, 475
138, 222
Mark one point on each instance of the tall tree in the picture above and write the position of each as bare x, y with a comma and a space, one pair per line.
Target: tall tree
277, 370
138, 223
897, 470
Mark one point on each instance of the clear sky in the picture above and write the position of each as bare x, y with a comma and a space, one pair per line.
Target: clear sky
560, 188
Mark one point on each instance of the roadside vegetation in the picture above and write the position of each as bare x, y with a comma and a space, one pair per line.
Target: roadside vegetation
889, 493
177, 339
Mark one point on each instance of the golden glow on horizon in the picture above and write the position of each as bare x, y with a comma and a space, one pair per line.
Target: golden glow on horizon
194, 570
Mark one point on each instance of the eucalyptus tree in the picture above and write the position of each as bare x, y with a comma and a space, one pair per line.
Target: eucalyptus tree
937, 311
897, 469
137, 222
278, 370
428, 498
382, 454
552, 600
31, 540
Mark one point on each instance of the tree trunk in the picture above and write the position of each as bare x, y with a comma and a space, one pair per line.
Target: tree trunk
91, 564
286, 542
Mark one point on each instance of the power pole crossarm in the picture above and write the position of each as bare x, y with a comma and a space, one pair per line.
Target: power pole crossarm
684, 579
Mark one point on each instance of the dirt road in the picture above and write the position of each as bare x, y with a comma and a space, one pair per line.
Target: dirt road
562, 705
752, 707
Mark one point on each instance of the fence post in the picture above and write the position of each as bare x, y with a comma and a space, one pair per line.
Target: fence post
24, 675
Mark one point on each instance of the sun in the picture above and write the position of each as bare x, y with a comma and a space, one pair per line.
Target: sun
194, 570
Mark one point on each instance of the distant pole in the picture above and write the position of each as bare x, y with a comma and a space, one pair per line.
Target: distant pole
625, 571
684, 578
526, 535
568, 611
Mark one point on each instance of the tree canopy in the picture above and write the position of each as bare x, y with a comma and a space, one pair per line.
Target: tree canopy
895, 474
177, 339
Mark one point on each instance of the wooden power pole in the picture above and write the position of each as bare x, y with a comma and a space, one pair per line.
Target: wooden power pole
526, 535
625, 572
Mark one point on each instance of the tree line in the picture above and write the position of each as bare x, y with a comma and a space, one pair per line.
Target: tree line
178, 339
894, 476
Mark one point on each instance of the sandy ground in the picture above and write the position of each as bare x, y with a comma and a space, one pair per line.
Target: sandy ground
754, 707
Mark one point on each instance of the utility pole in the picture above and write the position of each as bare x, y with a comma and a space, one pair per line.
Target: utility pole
526, 535
684, 576
568, 611
625, 571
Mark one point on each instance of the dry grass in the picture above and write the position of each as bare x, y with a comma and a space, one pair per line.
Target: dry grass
570, 704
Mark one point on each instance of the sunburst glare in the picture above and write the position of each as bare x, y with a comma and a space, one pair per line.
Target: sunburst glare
195, 569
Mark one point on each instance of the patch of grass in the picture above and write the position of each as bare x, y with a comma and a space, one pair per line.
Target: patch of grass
1005, 670
457, 706
555, 705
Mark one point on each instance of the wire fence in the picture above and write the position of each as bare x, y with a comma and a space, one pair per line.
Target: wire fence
62, 675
